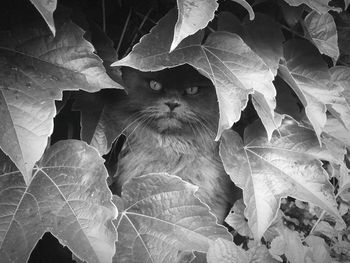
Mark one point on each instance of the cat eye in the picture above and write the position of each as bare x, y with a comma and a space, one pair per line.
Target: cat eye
155, 85
192, 90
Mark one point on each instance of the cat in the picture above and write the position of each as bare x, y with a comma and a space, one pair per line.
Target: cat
170, 120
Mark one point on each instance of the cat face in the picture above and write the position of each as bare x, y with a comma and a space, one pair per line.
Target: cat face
176, 101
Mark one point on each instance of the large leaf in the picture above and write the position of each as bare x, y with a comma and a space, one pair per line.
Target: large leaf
67, 196
321, 6
340, 78
193, 15
161, 216
265, 38
46, 9
307, 74
224, 58
323, 33
267, 171
226, 252
34, 70
263, 35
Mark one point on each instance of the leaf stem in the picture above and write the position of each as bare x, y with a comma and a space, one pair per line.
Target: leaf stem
320, 217
138, 30
292, 31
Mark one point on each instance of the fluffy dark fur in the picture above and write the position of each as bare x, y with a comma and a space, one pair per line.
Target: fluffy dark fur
171, 128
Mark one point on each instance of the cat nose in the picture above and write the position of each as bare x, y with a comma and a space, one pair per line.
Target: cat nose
172, 105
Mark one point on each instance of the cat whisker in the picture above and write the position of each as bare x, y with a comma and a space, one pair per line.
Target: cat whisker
135, 120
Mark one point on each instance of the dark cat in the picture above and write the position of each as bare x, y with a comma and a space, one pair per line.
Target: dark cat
170, 119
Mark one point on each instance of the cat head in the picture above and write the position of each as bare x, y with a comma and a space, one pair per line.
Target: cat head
172, 102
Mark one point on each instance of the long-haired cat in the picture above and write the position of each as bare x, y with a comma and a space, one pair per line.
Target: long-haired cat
170, 119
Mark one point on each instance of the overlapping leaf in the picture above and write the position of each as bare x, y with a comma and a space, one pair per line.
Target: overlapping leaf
266, 171
231, 65
193, 15
34, 70
307, 74
67, 196
321, 6
226, 252
265, 38
46, 9
323, 33
161, 216
340, 79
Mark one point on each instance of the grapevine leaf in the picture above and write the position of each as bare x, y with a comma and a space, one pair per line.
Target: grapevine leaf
289, 243
320, 6
193, 15
319, 249
224, 58
307, 74
289, 165
237, 220
323, 33
225, 251
67, 196
340, 78
161, 216
265, 38
35, 69
46, 9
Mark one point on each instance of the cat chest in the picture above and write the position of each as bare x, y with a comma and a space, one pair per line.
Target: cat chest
194, 167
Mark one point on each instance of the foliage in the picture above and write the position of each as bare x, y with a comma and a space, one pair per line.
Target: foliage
289, 59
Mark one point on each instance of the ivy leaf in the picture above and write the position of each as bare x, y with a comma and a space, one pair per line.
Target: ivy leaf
323, 33
35, 69
193, 15
336, 129
307, 74
224, 58
289, 165
161, 216
321, 6
46, 9
67, 195
224, 251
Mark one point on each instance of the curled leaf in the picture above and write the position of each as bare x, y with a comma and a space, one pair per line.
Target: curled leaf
323, 33
193, 15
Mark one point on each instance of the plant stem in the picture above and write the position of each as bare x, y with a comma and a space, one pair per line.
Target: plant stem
123, 32
138, 30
